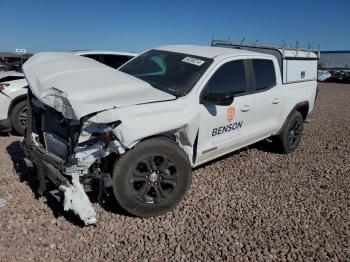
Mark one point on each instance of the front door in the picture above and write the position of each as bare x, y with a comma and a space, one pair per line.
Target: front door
223, 129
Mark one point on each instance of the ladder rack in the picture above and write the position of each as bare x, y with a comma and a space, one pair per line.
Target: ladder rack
281, 48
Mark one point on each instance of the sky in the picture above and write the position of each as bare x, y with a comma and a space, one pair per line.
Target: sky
59, 25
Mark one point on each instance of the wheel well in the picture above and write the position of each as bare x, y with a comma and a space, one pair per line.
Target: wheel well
303, 108
168, 135
111, 158
16, 101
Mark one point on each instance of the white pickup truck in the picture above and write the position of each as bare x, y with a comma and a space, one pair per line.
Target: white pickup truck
141, 129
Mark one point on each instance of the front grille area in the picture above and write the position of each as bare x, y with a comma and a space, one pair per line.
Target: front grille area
55, 145
56, 134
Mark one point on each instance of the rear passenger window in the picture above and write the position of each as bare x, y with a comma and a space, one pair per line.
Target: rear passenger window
230, 77
264, 73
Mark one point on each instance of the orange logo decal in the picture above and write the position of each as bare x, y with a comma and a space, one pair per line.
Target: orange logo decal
230, 113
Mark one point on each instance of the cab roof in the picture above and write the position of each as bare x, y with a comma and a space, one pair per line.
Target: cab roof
96, 52
207, 51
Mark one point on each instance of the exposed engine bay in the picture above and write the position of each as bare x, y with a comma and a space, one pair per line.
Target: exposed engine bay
70, 154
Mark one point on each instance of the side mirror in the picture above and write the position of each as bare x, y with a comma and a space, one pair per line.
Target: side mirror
218, 98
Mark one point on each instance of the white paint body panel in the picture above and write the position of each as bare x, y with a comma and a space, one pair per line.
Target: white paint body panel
10, 73
116, 53
15, 89
88, 85
299, 70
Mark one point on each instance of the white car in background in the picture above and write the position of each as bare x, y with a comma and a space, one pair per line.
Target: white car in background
13, 89
323, 75
10, 75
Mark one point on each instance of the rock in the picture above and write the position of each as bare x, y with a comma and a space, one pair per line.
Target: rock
3, 203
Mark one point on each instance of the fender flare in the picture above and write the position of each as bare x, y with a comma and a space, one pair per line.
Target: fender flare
295, 108
15, 101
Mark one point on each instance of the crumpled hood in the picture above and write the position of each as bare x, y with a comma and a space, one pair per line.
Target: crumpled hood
78, 86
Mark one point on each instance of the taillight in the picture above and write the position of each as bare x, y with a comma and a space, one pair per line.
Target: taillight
3, 86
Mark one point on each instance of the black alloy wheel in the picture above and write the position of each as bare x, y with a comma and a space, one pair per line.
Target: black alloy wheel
151, 178
294, 132
154, 179
290, 136
22, 117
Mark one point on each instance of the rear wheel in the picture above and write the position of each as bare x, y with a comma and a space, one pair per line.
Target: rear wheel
19, 117
152, 178
290, 137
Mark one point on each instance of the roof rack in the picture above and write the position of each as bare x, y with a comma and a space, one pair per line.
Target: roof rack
282, 48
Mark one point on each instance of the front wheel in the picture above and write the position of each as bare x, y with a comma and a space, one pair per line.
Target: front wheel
151, 178
290, 137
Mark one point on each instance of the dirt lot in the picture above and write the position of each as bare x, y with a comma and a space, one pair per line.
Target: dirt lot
251, 205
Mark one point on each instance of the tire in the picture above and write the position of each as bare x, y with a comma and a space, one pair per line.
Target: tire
290, 136
19, 117
144, 193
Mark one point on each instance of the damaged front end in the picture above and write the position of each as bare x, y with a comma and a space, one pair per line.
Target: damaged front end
72, 154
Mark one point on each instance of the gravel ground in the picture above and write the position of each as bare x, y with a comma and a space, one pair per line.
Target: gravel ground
251, 205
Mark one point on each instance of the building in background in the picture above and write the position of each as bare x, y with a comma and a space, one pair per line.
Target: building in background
335, 60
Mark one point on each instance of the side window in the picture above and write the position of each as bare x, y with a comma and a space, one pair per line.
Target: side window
264, 73
115, 61
230, 77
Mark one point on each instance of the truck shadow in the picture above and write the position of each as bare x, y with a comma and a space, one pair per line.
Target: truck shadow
7, 134
27, 175
4, 134
266, 145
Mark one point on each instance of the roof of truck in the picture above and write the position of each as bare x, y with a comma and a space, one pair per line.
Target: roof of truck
206, 51
96, 52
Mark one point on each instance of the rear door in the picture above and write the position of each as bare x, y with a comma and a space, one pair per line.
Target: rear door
267, 98
223, 129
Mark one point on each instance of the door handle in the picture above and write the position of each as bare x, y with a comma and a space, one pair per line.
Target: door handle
276, 101
245, 108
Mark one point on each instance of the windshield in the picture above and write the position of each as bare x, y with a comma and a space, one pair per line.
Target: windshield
171, 72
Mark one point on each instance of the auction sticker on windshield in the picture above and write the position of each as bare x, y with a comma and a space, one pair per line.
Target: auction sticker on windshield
192, 60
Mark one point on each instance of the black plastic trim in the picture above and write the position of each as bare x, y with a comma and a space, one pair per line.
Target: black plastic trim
301, 81
6, 125
295, 108
15, 101
301, 58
